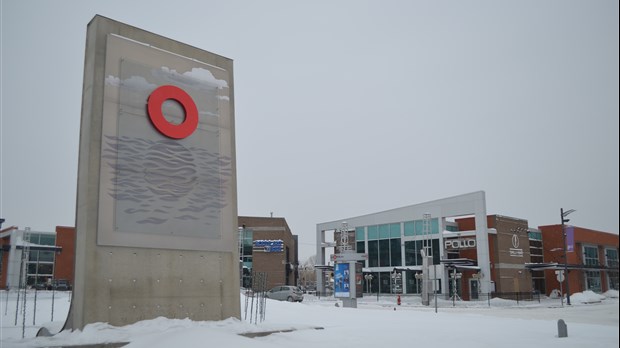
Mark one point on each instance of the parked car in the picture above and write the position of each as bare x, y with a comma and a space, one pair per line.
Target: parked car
286, 293
59, 285
40, 286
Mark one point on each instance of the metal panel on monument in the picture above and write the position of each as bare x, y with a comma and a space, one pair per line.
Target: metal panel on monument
156, 204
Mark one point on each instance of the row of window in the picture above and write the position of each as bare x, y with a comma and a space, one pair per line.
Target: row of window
590, 256
387, 252
389, 231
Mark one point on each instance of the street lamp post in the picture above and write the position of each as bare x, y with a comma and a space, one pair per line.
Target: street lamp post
368, 278
563, 215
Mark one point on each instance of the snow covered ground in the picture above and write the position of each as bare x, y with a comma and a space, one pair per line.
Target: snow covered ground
592, 321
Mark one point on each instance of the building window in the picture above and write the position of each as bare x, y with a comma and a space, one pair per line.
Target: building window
384, 231
360, 234
452, 228
535, 235
409, 228
395, 255
410, 254
395, 230
590, 255
385, 283
611, 260
373, 233
373, 252
414, 285
360, 248
384, 253
593, 281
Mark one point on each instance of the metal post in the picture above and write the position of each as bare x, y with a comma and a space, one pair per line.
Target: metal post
561, 290
563, 214
34, 311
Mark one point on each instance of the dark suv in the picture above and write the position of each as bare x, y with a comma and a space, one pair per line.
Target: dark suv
60, 285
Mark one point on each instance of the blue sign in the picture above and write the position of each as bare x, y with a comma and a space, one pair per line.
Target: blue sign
269, 246
341, 280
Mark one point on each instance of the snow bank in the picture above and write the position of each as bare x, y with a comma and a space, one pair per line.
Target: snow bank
587, 296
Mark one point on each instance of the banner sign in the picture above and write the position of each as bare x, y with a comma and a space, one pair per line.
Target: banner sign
268, 246
341, 280
570, 238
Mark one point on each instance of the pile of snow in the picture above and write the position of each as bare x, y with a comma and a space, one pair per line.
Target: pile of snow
611, 293
587, 296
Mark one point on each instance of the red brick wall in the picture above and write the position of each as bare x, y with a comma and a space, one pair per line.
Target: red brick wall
5, 243
65, 260
553, 239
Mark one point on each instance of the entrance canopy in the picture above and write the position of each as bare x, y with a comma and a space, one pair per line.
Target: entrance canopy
461, 263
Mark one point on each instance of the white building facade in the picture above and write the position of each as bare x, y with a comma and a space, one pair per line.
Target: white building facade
396, 240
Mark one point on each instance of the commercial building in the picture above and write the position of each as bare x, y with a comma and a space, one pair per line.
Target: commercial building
41, 255
471, 252
267, 246
592, 258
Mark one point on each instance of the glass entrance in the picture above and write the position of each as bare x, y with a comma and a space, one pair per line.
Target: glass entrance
474, 288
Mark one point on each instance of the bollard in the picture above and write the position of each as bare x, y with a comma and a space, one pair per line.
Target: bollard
562, 330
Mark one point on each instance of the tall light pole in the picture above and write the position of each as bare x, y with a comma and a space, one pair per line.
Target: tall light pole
563, 215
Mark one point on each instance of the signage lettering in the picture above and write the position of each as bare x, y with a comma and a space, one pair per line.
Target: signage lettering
459, 243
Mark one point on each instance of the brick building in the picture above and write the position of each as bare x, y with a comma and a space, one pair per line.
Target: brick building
47, 256
267, 245
592, 258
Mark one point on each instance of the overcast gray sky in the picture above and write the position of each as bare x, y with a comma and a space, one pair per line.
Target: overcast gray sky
345, 108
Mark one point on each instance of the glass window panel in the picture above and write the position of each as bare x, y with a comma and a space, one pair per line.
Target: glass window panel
33, 256
419, 246
395, 254
384, 253
452, 228
360, 233
419, 227
612, 280
434, 226
384, 231
410, 254
611, 258
46, 269
47, 239
395, 230
590, 256
361, 248
593, 281
385, 282
46, 256
373, 253
409, 228
33, 237
414, 285
373, 233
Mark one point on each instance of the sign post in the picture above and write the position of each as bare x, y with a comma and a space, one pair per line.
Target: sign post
559, 275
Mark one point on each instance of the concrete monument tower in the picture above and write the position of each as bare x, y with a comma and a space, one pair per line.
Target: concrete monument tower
156, 199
